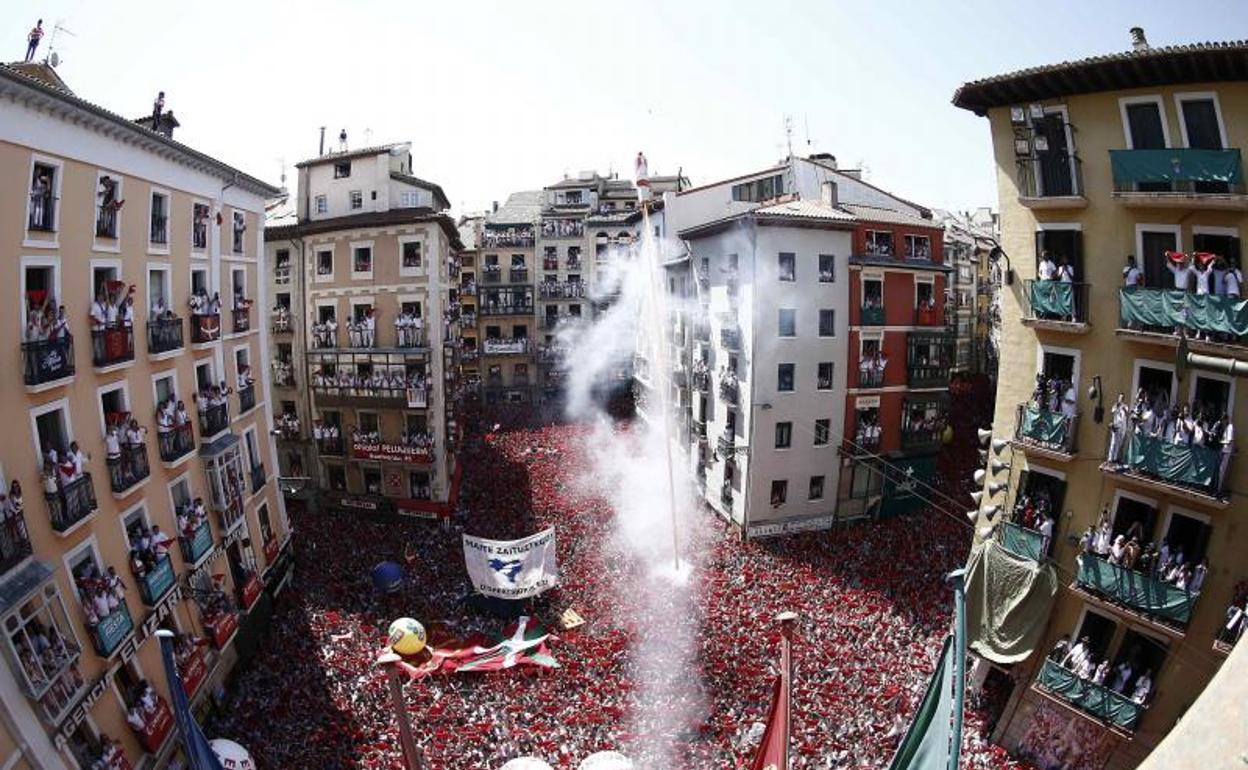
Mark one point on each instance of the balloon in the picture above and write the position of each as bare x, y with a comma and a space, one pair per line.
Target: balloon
606, 760
407, 636
526, 763
387, 577
232, 756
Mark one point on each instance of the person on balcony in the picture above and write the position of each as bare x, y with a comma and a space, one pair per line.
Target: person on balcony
214, 304
1077, 654
159, 543
40, 197
1102, 673
126, 312
1047, 269
1123, 673
1143, 687
245, 380
112, 444
180, 417
1119, 419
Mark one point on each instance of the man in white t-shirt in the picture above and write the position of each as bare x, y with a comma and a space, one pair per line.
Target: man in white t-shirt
1183, 273
1232, 282
1046, 270
1131, 275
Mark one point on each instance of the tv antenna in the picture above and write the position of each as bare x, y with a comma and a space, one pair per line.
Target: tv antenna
53, 59
788, 134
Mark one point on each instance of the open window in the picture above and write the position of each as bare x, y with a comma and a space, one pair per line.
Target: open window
1135, 518
1188, 535
1063, 246
45, 185
159, 215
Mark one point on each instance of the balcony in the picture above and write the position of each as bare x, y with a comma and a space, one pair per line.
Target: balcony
106, 222
1056, 305
331, 447
159, 231
699, 429
164, 335
866, 437
730, 337
872, 315
507, 308
468, 288
1094, 699
574, 265
467, 318
701, 380
110, 347
213, 420
128, 470
241, 320
551, 354
491, 274
199, 232
157, 581
920, 437
71, 503
157, 726
111, 631
281, 274
176, 443
502, 346
1135, 590
924, 373
205, 328
281, 323
258, 478
197, 543
1194, 471
229, 514
726, 443
1049, 434
1055, 181
1154, 315
518, 275
47, 361
929, 315
246, 399
1189, 178
42, 211
1230, 631
14, 540
1024, 542
725, 494
730, 390
870, 377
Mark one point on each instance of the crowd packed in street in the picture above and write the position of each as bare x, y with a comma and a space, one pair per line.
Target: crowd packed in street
871, 599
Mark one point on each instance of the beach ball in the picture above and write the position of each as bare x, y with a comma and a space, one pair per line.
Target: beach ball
387, 577
606, 760
231, 755
526, 763
407, 636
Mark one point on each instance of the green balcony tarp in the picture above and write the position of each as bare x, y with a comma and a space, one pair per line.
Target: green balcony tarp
1177, 463
1170, 309
1043, 426
1008, 600
1021, 541
1176, 165
1052, 299
1134, 589
1095, 699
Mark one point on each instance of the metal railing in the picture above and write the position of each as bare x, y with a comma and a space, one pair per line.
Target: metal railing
106, 222
257, 478
1060, 175
332, 447
48, 360
246, 398
71, 503
281, 274
205, 328
112, 346
14, 540
730, 391
175, 444
128, 468
42, 211
518, 275
1055, 301
730, 337
871, 377
282, 324
159, 230
872, 315
213, 420
164, 335
241, 318
506, 308
1045, 429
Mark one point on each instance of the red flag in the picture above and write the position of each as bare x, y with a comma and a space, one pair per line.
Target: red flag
773, 752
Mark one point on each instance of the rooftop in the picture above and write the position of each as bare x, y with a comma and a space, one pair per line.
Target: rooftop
368, 219
887, 216
363, 152
1141, 67
521, 208
438, 195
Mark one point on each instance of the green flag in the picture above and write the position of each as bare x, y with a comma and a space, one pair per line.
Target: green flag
926, 744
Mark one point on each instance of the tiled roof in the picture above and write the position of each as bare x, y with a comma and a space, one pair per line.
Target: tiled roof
1164, 65
803, 209
24, 76
363, 152
365, 220
887, 216
436, 189
521, 208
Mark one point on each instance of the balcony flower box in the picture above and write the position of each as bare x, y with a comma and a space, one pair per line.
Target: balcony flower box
156, 583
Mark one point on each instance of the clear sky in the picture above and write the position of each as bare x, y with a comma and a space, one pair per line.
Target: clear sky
503, 95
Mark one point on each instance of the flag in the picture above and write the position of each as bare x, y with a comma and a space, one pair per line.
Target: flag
522, 643
199, 755
512, 569
926, 743
773, 752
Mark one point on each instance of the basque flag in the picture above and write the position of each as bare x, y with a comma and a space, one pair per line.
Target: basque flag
773, 752
199, 755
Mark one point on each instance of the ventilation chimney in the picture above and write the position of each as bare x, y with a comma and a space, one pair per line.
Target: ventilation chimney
828, 194
1138, 41
321, 151
495, 207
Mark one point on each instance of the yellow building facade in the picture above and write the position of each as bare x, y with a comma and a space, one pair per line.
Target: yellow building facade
1128, 155
133, 265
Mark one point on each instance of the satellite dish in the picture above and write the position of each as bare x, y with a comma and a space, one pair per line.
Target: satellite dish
54, 59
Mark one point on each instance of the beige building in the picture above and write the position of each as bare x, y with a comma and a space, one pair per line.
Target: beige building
1102, 164
374, 259
505, 279
134, 268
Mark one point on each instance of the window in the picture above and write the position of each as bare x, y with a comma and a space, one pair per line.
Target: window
159, 231
43, 187
784, 378
816, 488
322, 205
823, 379
779, 491
411, 255
784, 435
822, 429
408, 199
199, 226
918, 247
108, 203
759, 189
880, 243
357, 199
362, 259
788, 322
827, 323
572, 197
239, 220
788, 266
827, 268
342, 169
337, 478
325, 262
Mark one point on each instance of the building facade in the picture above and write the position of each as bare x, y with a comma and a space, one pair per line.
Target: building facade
1125, 167
376, 259
140, 475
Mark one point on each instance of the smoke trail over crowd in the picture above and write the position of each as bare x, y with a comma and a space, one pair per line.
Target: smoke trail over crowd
643, 472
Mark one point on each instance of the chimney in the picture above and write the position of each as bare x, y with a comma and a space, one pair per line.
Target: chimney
1138, 41
828, 194
495, 207
321, 151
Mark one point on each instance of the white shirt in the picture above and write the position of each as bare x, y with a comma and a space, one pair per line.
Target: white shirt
1131, 275
1233, 280
1182, 276
1047, 269
1066, 274
1202, 280
1068, 402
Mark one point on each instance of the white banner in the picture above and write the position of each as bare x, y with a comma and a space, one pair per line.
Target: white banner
512, 569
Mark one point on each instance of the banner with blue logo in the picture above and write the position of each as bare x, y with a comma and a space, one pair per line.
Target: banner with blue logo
512, 569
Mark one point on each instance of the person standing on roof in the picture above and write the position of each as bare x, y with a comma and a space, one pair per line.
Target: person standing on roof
32, 40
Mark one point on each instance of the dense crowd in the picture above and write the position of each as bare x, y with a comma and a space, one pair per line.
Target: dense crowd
871, 599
